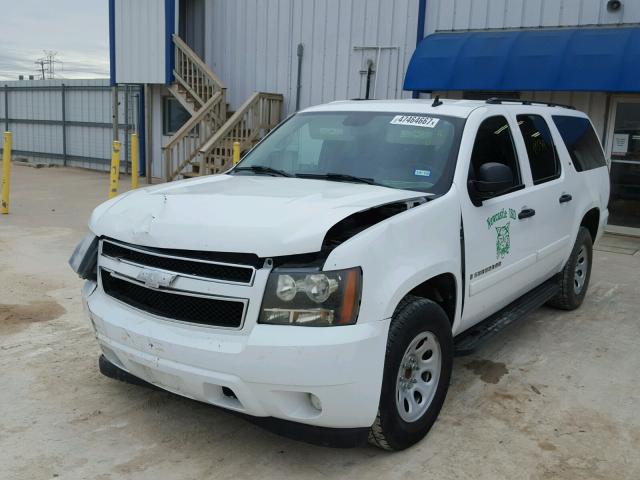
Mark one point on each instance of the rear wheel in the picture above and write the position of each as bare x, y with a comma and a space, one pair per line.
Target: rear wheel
574, 278
416, 374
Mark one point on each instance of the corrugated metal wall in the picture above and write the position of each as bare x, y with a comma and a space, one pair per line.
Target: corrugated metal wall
140, 41
34, 116
252, 45
481, 14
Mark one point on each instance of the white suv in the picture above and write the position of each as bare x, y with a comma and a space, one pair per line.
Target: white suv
331, 276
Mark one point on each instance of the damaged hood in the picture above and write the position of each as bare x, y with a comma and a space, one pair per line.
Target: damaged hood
267, 216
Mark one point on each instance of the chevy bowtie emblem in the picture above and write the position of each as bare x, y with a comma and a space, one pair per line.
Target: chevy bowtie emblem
155, 278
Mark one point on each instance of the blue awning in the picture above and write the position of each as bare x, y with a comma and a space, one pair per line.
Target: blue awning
581, 59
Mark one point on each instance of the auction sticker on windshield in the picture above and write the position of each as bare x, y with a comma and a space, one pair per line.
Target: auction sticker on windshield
415, 121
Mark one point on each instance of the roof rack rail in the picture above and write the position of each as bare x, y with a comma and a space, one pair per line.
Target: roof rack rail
501, 100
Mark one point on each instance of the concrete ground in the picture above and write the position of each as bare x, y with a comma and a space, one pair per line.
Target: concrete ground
554, 397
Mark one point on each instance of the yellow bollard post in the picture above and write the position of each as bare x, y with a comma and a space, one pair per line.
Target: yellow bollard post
6, 171
115, 169
236, 153
134, 161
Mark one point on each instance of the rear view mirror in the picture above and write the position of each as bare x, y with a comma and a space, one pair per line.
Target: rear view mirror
493, 180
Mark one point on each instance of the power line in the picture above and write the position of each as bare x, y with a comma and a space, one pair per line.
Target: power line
47, 64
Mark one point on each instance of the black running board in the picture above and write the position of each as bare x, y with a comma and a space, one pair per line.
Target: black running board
468, 341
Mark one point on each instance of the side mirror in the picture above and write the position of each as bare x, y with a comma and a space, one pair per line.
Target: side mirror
493, 180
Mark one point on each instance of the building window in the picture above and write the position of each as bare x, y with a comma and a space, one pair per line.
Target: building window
540, 148
626, 132
173, 116
494, 143
623, 146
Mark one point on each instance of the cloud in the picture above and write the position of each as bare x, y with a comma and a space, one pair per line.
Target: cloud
77, 29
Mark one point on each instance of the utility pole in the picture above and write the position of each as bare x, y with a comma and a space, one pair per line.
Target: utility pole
40, 62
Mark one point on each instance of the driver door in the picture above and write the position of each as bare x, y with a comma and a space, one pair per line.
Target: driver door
500, 242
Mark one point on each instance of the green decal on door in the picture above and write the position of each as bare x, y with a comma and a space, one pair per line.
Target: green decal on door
501, 215
503, 241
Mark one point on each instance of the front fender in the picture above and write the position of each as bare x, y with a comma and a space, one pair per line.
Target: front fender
402, 252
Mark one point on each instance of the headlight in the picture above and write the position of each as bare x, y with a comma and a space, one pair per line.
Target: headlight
85, 257
312, 298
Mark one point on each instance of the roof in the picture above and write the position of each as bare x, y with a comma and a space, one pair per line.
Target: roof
568, 59
453, 108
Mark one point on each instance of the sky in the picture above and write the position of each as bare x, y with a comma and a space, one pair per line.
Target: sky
77, 29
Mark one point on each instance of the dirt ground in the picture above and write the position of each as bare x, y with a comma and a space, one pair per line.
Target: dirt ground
556, 396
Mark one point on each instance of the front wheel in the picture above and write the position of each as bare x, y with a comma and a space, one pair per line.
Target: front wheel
416, 376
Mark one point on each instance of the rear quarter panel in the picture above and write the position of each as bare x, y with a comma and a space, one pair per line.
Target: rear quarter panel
590, 188
597, 183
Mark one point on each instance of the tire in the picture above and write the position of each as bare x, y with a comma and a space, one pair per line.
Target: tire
396, 428
572, 289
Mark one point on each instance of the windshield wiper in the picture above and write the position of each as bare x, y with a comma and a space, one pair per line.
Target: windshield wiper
263, 169
338, 177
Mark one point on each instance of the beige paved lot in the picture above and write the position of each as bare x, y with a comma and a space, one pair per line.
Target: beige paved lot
555, 397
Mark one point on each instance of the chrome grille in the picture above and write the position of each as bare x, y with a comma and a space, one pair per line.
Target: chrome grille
194, 265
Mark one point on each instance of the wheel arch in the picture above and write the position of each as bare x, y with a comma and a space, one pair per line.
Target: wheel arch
441, 289
591, 221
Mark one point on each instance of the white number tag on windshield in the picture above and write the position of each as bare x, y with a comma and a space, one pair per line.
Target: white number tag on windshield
415, 121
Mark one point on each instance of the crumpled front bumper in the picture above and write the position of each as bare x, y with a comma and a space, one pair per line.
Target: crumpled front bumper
260, 370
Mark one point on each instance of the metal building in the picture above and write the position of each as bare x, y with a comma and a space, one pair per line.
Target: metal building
254, 47
218, 71
307, 52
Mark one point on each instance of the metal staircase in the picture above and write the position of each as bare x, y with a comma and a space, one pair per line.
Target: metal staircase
204, 144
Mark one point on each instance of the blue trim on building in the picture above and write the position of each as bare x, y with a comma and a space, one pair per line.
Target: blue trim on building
422, 15
112, 42
142, 134
169, 28
570, 59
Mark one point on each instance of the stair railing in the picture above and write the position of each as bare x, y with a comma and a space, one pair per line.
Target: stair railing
259, 114
193, 74
184, 146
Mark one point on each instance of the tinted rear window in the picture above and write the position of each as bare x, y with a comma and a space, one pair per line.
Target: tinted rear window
581, 141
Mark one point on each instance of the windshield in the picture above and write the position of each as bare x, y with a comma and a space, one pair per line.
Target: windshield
406, 151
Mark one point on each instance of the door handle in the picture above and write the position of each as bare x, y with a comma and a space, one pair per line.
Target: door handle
565, 197
526, 213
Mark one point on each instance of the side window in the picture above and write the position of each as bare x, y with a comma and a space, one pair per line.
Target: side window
494, 143
581, 141
540, 148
